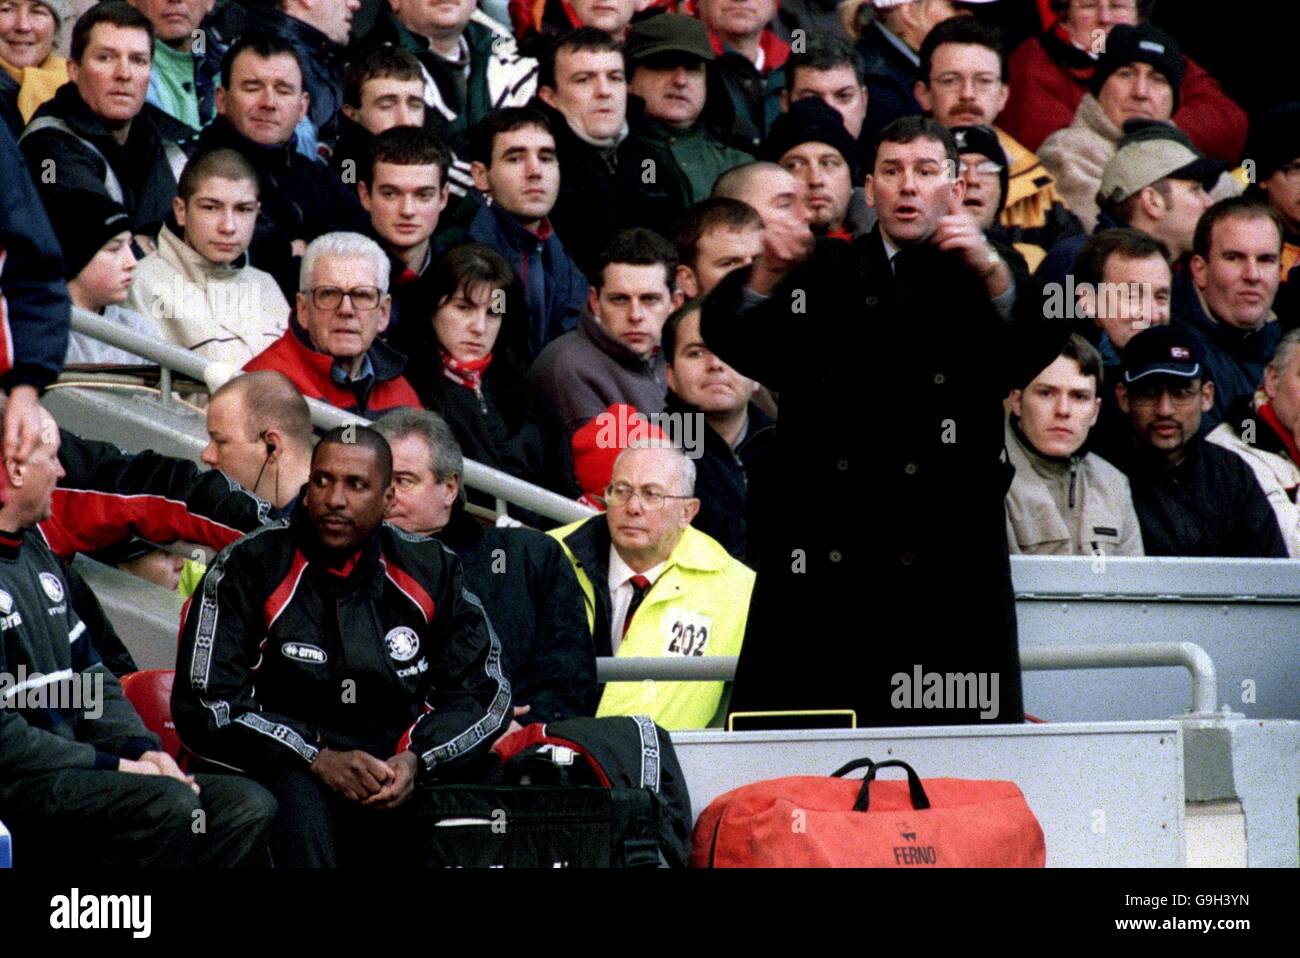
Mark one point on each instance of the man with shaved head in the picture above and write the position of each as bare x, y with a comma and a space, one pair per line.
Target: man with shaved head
656, 586
259, 434
781, 203
373, 666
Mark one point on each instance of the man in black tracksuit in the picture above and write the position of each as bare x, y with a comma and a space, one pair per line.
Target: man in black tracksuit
119, 505
81, 778
335, 659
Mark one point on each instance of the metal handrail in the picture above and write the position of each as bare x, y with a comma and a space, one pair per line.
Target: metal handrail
169, 356
1189, 655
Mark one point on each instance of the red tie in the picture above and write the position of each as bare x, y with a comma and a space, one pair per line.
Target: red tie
640, 586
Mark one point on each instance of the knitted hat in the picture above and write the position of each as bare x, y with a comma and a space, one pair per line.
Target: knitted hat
597, 444
984, 141
810, 120
62, 9
84, 221
1140, 44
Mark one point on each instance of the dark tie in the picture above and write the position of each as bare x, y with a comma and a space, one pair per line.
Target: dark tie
640, 586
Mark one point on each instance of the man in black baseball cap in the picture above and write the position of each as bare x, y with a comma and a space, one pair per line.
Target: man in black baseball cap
1192, 498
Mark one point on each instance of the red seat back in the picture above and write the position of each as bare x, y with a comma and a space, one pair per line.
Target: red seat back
150, 692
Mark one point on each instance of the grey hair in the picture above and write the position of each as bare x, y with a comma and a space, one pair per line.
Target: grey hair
1286, 346
444, 450
344, 246
685, 467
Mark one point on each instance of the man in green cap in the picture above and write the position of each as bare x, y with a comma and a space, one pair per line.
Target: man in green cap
670, 76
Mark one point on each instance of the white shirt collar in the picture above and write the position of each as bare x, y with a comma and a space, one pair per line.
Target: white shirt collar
620, 572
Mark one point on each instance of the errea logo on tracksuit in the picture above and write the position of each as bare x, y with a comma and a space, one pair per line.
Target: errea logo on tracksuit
302, 652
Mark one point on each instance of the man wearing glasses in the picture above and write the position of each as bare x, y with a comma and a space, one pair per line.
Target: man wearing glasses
654, 586
963, 83
1193, 498
330, 351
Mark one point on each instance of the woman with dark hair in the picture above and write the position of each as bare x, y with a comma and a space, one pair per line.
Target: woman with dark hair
467, 362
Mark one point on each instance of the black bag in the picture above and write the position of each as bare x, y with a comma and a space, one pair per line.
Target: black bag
538, 826
587, 792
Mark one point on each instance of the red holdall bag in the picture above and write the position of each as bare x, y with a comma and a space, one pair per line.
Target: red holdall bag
808, 821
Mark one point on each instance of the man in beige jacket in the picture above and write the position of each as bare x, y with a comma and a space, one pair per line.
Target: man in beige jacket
198, 287
1137, 78
1063, 499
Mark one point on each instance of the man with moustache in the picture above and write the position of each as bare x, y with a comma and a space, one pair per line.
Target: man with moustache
926, 294
1193, 498
963, 83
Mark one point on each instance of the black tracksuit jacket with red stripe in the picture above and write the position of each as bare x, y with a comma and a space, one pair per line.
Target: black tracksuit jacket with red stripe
281, 656
109, 495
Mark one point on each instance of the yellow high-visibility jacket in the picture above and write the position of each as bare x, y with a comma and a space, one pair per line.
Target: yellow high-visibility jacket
697, 606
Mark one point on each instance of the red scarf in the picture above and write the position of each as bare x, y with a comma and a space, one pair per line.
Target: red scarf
468, 374
1267, 414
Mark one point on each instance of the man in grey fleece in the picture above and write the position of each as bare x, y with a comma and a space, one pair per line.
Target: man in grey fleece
613, 356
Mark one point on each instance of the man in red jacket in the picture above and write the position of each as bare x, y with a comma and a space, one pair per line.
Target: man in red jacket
330, 351
1051, 73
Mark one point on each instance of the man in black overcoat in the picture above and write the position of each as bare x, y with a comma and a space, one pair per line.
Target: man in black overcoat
884, 561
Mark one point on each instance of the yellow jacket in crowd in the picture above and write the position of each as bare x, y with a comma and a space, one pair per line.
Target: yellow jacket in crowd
697, 606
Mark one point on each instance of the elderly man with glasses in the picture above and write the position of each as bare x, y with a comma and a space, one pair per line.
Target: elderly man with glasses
654, 586
330, 351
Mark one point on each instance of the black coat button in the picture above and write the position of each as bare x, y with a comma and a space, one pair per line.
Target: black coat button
836, 555
910, 469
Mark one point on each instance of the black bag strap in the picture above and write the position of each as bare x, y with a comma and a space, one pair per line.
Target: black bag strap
919, 799
854, 765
